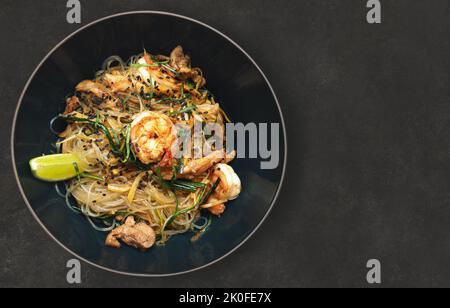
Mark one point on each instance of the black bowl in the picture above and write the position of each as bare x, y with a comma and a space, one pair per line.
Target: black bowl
232, 76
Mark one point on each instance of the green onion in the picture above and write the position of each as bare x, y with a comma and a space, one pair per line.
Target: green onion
160, 179
171, 99
190, 184
159, 62
202, 198
177, 169
184, 110
134, 155
96, 124
85, 174
152, 88
170, 69
174, 216
155, 64
139, 165
92, 177
177, 186
184, 185
213, 188
139, 65
77, 171
127, 145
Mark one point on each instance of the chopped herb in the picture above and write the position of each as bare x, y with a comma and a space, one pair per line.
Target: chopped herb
86, 175
171, 99
139, 65
170, 69
184, 110
201, 200
127, 145
213, 188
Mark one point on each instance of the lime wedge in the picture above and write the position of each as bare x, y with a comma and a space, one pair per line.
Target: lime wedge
56, 167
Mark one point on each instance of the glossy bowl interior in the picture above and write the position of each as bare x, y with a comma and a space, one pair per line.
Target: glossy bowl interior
231, 75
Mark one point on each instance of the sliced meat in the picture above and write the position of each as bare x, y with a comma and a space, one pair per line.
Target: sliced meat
89, 86
197, 167
71, 104
196, 77
201, 165
182, 63
117, 83
139, 235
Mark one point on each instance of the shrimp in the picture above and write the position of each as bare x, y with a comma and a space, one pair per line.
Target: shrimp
228, 188
152, 135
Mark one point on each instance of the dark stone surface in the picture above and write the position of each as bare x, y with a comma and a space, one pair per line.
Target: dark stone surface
367, 112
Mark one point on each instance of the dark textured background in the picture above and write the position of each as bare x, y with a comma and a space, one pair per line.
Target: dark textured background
367, 109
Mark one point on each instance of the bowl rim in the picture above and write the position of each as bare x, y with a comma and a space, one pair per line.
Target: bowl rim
150, 12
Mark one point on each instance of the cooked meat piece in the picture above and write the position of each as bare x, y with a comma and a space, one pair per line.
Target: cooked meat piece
118, 83
182, 63
89, 86
197, 78
201, 165
197, 167
138, 235
71, 104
